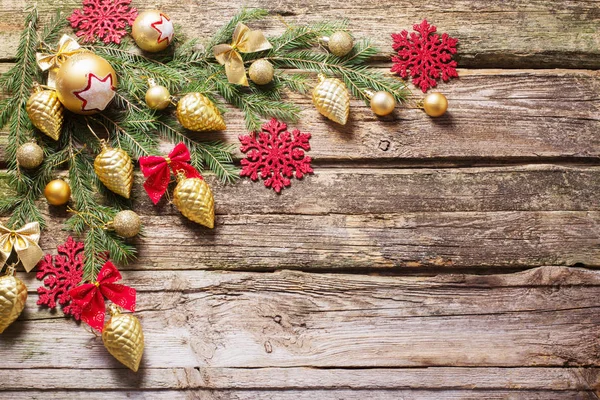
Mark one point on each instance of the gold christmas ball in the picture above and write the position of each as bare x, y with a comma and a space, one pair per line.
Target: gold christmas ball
127, 223
123, 337
341, 43
197, 113
30, 155
13, 295
86, 83
46, 112
57, 192
152, 30
331, 99
158, 97
261, 72
194, 199
383, 103
115, 170
435, 104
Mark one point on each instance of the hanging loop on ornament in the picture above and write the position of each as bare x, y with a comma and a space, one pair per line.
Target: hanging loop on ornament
11, 269
113, 310
180, 174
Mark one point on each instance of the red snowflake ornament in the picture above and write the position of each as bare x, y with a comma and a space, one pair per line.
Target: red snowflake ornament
104, 19
60, 276
425, 55
276, 155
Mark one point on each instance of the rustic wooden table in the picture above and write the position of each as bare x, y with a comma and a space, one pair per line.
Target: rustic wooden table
425, 259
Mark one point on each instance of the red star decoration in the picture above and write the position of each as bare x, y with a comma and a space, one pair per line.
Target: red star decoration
61, 275
425, 55
97, 94
276, 155
166, 28
103, 19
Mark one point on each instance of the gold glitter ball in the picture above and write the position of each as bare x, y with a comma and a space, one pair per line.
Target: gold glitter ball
30, 155
127, 223
261, 72
341, 43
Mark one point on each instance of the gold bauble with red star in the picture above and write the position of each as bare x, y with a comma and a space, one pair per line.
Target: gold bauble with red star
153, 30
86, 83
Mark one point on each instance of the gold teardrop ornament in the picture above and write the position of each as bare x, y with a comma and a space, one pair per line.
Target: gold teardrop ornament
123, 337
115, 170
13, 295
46, 112
194, 199
331, 98
197, 113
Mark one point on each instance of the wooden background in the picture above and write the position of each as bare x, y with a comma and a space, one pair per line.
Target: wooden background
453, 258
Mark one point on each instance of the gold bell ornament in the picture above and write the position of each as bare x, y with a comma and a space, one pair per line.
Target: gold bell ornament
45, 111
123, 337
194, 199
114, 169
152, 30
434, 104
157, 96
331, 98
197, 113
382, 102
86, 83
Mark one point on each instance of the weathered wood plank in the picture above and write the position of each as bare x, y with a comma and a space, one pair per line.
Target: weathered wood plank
543, 317
494, 116
536, 34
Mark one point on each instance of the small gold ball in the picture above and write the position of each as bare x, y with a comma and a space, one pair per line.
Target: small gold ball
261, 72
127, 223
383, 103
57, 192
152, 30
158, 97
341, 43
435, 104
30, 155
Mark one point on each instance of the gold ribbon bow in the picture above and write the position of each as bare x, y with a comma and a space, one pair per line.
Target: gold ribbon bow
245, 41
25, 243
67, 47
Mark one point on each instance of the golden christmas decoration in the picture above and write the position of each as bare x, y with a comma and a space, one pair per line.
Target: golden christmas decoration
435, 104
13, 295
57, 192
115, 170
382, 103
331, 98
45, 111
30, 155
152, 30
261, 72
123, 338
194, 199
126, 224
340, 43
157, 96
197, 113
86, 83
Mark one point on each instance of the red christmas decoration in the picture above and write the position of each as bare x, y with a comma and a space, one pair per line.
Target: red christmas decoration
276, 155
156, 169
90, 296
61, 274
103, 19
425, 55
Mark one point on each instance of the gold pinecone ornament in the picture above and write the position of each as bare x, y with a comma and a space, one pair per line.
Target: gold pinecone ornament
197, 113
46, 112
123, 338
194, 199
115, 170
13, 295
331, 98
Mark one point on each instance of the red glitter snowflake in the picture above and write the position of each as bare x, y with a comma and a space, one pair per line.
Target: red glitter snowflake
61, 276
105, 19
276, 155
425, 55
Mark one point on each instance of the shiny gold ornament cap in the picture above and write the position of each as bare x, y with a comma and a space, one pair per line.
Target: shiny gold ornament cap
46, 112
194, 199
123, 338
115, 170
13, 295
331, 99
197, 113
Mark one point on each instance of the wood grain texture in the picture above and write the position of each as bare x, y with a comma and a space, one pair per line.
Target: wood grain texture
515, 33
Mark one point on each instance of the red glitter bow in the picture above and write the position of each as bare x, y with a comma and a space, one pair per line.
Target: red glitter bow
156, 169
90, 296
